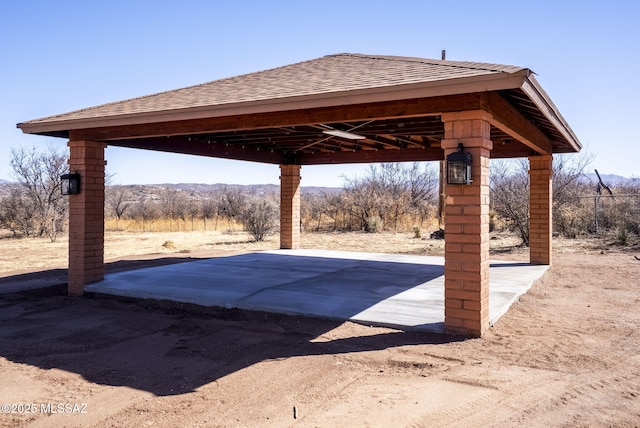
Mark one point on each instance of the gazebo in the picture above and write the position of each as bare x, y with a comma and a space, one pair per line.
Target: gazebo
343, 108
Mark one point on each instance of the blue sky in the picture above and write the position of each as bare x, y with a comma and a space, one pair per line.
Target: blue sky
59, 56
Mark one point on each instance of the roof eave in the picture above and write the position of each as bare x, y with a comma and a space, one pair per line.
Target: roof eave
475, 84
543, 102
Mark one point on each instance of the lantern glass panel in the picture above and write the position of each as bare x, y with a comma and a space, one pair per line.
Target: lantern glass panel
70, 184
457, 172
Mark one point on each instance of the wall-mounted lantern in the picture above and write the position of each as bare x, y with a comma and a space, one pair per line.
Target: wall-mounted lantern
70, 184
459, 167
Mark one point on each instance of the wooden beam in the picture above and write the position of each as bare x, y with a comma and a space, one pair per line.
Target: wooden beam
201, 148
377, 111
369, 156
510, 150
511, 121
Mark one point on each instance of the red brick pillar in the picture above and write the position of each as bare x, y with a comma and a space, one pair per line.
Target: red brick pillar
540, 205
466, 219
86, 216
289, 206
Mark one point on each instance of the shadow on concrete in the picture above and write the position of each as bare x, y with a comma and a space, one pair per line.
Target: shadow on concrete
54, 281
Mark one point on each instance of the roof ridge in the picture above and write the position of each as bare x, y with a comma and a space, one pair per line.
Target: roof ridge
431, 61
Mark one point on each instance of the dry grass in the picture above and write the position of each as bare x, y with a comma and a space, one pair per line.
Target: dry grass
34, 254
170, 225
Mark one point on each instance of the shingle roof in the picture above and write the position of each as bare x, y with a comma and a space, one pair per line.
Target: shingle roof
325, 75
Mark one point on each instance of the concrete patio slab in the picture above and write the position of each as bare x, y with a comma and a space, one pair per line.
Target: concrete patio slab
400, 291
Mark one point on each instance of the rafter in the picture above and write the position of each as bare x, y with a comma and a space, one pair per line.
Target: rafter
511, 121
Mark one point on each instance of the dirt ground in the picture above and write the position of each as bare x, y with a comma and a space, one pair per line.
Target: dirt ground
567, 354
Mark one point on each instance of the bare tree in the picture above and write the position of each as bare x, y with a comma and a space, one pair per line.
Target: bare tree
390, 183
17, 213
363, 198
118, 201
173, 206
192, 210
209, 209
509, 188
568, 176
408, 189
232, 204
39, 175
423, 189
312, 210
390, 192
145, 211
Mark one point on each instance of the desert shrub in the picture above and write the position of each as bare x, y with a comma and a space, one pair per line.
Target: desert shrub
260, 218
626, 206
169, 245
374, 224
611, 213
572, 220
622, 236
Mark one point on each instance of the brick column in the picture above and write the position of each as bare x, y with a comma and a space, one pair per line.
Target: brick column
86, 216
289, 206
540, 205
466, 219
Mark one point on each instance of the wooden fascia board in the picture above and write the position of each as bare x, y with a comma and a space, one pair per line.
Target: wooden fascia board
540, 98
439, 88
377, 111
507, 118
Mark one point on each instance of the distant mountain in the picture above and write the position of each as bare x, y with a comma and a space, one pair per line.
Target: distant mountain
318, 190
249, 188
5, 187
609, 179
197, 190
206, 188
